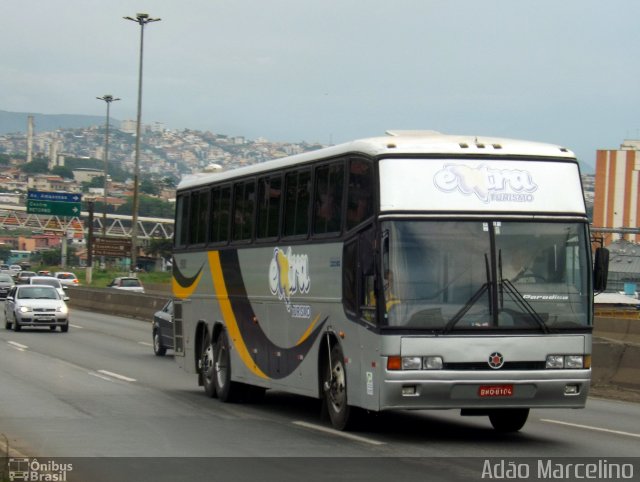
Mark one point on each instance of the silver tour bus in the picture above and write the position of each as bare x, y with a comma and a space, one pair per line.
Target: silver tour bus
411, 271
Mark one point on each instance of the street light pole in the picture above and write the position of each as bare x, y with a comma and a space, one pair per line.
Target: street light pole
108, 98
142, 19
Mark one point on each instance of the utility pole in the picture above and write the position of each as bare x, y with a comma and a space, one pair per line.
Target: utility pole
142, 19
108, 98
89, 276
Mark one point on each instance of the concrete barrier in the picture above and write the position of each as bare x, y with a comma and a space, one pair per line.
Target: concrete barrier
621, 329
117, 302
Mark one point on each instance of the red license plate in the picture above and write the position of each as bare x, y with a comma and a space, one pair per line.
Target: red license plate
491, 391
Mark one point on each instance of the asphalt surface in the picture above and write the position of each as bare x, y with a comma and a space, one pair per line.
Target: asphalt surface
98, 398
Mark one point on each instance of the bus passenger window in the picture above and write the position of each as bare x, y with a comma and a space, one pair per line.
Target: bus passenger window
269, 197
198, 217
182, 210
220, 206
327, 205
243, 208
296, 204
359, 192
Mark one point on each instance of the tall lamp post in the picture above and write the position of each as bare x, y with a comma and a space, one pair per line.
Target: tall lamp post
108, 98
142, 19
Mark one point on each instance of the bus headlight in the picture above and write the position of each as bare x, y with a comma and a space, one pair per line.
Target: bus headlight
411, 363
433, 363
574, 361
565, 361
395, 363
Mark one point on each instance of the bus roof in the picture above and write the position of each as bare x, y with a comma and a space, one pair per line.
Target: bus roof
395, 143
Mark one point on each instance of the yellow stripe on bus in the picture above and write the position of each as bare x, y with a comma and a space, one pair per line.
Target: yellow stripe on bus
228, 314
308, 332
184, 291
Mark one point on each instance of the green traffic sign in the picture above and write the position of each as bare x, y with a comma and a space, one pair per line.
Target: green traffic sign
53, 208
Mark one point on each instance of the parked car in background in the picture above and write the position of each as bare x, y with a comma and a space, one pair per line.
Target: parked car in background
50, 281
126, 283
6, 283
67, 278
14, 269
35, 305
22, 278
162, 329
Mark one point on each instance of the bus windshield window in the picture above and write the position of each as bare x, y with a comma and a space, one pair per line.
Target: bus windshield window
469, 275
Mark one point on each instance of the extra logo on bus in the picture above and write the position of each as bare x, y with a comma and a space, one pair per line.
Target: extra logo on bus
289, 275
496, 360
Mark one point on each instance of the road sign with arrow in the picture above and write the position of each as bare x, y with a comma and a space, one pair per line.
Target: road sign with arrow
54, 203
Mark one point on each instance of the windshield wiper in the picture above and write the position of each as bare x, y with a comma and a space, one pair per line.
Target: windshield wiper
486, 286
517, 297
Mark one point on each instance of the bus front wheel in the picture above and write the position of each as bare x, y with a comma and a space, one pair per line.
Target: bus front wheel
335, 390
509, 419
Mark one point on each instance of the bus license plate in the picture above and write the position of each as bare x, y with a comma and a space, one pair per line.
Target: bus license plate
490, 391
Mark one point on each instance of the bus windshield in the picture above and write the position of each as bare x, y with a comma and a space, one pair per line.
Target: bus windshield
485, 275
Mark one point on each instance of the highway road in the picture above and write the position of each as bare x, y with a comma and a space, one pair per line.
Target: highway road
99, 396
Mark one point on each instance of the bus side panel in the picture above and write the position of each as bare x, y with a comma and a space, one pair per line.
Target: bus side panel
283, 298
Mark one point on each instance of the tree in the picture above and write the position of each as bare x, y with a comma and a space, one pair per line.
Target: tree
147, 186
50, 257
160, 247
5, 252
37, 166
62, 171
169, 181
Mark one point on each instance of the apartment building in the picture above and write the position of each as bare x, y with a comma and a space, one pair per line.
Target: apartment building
617, 197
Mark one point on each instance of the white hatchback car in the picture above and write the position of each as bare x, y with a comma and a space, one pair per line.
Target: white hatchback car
127, 283
67, 278
35, 305
50, 281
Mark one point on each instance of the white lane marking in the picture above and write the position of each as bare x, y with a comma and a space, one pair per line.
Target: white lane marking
75, 326
589, 427
117, 375
97, 375
338, 433
18, 346
145, 343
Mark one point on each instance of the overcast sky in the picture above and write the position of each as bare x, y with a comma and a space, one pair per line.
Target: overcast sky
561, 71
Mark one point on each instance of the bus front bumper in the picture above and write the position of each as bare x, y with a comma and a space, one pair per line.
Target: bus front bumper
511, 390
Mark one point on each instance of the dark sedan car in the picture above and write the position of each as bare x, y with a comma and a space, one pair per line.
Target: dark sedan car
6, 283
162, 329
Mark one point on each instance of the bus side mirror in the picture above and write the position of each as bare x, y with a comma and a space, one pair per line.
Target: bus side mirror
601, 269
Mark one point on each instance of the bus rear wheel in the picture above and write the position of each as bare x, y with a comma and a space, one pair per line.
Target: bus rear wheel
227, 390
335, 390
207, 367
509, 419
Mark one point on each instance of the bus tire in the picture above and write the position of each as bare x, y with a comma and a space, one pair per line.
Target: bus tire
227, 390
335, 390
207, 367
508, 419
